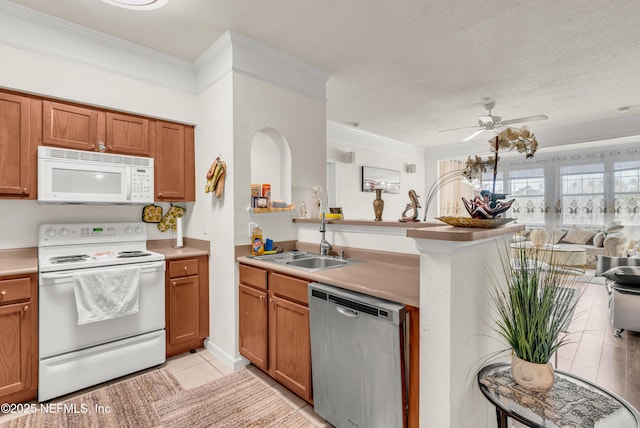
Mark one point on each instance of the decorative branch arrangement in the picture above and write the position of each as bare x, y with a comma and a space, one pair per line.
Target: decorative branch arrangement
521, 140
488, 205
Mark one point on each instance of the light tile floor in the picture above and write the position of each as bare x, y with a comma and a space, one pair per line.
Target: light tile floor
195, 369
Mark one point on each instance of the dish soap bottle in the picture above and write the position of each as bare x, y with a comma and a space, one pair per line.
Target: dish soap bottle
257, 244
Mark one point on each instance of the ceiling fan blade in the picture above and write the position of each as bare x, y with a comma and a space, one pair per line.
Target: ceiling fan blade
457, 129
474, 135
524, 119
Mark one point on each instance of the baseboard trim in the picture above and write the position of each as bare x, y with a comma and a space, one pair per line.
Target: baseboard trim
234, 363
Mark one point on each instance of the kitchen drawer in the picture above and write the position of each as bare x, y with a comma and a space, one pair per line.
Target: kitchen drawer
12, 290
180, 268
253, 276
289, 287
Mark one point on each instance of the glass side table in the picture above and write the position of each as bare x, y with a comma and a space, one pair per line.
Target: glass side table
572, 402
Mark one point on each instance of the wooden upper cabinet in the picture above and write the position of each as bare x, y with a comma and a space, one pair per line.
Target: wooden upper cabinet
127, 134
70, 126
174, 162
16, 162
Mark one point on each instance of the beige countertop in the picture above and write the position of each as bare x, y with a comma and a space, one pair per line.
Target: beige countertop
18, 261
373, 223
192, 248
395, 282
451, 233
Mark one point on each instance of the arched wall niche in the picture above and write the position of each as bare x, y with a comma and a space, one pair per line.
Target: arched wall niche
271, 163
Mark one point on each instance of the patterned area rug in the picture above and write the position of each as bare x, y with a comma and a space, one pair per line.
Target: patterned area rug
156, 399
236, 400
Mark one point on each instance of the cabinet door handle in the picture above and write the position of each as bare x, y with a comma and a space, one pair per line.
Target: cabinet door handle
160, 194
174, 283
110, 148
3, 293
93, 147
261, 297
25, 308
24, 191
185, 269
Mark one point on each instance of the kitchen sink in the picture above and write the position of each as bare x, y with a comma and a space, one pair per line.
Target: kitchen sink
309, 262
317, 262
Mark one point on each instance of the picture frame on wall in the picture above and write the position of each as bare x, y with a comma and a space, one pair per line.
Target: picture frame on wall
380, 178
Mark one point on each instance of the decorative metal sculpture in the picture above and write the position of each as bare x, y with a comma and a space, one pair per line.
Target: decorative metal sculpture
412, 207
487, 205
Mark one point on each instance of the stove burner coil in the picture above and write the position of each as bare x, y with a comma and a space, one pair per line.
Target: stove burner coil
69, 259
136, 253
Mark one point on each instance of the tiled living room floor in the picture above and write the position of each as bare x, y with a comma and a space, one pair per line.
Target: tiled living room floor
595, 354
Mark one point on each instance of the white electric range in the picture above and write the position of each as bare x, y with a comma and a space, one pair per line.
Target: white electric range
75, 355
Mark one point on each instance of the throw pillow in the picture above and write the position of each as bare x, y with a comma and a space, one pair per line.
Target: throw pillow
577, 236
605, 263
538, 237
614, 226
556, 235
628, 275
598, 239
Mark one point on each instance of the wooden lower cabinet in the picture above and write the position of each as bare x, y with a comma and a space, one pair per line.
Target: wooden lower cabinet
19, 338
274, 327
275, 335
290, 350
254, 340
186, 304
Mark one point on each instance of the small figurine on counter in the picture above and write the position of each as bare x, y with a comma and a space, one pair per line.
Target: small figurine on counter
315, 205
411, 207
303, 210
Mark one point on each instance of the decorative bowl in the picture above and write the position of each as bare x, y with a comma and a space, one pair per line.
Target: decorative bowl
485, 223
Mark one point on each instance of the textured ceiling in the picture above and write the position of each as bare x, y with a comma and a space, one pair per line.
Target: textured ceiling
406, 70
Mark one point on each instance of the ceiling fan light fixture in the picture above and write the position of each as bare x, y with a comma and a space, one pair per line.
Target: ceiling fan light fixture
138, 4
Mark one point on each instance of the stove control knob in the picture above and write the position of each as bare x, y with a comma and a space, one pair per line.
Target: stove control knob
138, 229
51, 232
128, 229
63, 232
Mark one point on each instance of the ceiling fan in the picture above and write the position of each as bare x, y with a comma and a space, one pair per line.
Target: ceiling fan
490, 121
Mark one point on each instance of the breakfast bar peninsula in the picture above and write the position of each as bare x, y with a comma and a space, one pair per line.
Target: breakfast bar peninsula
456, 337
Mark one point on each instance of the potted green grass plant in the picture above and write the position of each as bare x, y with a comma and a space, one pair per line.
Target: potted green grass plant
534, 301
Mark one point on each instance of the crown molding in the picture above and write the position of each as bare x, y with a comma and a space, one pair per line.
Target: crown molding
236, 52
348, 135
29, 30
26, 29
214, 63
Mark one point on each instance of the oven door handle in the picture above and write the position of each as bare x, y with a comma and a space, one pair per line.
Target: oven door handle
150, 266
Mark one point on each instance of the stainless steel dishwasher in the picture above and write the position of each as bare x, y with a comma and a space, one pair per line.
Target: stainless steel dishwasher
356, 358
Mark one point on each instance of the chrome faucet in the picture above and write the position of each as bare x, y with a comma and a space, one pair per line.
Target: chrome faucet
325, 246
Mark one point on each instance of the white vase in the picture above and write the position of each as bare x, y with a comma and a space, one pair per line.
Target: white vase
532, 376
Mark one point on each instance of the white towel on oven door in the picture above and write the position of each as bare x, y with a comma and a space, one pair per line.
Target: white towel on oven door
107, 294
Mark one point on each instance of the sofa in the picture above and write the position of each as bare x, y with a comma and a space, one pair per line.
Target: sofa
610, 241
622, 288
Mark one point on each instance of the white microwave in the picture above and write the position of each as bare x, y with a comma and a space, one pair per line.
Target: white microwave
82, 177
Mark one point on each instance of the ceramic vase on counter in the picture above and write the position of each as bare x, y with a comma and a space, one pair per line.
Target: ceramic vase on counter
378, 205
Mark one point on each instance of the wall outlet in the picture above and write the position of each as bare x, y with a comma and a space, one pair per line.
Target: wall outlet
251, 227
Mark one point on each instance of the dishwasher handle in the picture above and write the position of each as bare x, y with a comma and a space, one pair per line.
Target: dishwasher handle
347, 312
